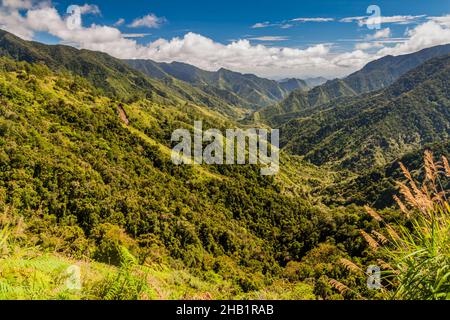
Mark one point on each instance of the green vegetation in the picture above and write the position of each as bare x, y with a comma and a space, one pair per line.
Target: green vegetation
86, 179
414, 249
240, 90
372, 130
376, 75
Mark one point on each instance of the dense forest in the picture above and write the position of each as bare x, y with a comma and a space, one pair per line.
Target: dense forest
87, 179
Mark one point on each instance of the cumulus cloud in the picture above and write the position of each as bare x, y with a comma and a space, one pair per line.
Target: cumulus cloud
384, 33
370, 21
423, 36
444, 20
17, 4
149, 21
312, 19
270, 38
119, 22
90, 9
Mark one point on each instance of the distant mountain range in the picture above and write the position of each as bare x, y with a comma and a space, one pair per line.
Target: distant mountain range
109, 75
241, 90
376, 75
314, 82
294, 84
373, 129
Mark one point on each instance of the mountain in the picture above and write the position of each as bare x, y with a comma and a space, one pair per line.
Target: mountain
293, 84
374, 76
375, 128
244, 90
314, 82
109, 75
86, 172
376, 186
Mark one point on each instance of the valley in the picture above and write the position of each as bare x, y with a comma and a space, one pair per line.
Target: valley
87, 177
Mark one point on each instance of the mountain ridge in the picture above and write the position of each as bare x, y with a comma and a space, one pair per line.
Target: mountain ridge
374, 76
245, 90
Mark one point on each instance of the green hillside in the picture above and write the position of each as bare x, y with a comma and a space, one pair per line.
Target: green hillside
110, 76
294, 84
86, 179
243, 90
87, 183
374, 76
374, 129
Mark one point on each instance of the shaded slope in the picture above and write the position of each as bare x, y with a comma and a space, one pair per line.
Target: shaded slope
375, 128
376, 75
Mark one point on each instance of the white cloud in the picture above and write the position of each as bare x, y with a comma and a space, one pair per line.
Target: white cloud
444, 20
135, 35
368, 20
286, 26
149, 21
119, 22
90, 9
15, 23
262, 25
203, 52
270, 38
384, 33
423, 36
352, 19
288, 23
312, 19
17, 4
368, 45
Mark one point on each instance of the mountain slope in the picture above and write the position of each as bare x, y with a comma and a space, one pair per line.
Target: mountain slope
85, 181
238, 89
376, 75
109, 75
294, 84
375, 128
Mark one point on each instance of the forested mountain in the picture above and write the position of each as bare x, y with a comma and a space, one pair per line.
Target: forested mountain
86, 178
294, 84
376, 186
90, 175
374, 76
109, 75
373, 129
244, 90
314, 82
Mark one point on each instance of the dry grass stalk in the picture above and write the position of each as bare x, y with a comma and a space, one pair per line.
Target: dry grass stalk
430, 167
349, 265
371, 241
373, 214
393, 234
402, 206
380, 237
342, 288
446, 166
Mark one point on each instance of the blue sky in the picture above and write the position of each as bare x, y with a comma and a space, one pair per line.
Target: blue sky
230, 20
167, 30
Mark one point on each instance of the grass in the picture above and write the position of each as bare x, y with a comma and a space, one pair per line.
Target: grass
28, 273
414, 252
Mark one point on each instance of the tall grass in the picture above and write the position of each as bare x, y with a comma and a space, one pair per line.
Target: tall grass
418, 251
414, 252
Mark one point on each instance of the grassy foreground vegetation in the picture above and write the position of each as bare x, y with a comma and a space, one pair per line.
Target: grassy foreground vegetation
413, 251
